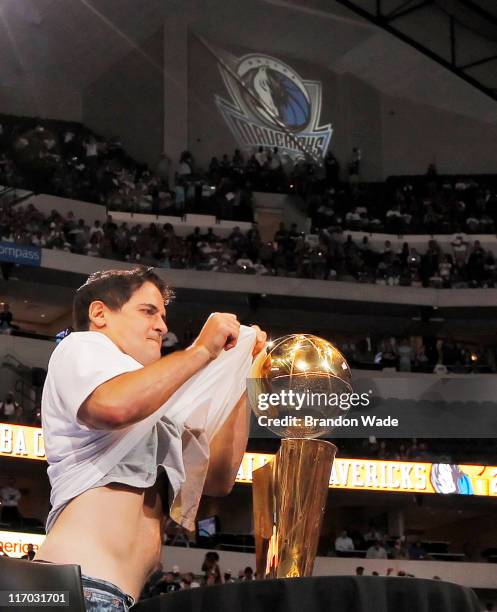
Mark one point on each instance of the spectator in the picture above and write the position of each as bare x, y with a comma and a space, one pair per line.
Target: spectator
188, 581
185, 168
10, 410
154, 578
373, 535
332, 168
6, 319
354, 164
228, 576
261, 157
238, 161
96, 230
248, 573
170, 343
460, 249
210, 565
359, 570
389, 356
404, 350
176, 574
376, 551
343, 543
213, 576
10, 497
417, 551
164, 169
421, 360
30, 554
167, 584
383, 452
399, 550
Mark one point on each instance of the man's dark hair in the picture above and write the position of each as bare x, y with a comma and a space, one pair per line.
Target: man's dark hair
114, 288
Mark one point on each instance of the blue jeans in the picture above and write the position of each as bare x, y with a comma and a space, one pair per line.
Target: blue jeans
103, 596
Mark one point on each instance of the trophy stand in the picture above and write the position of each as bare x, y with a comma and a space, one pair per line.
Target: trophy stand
289, 497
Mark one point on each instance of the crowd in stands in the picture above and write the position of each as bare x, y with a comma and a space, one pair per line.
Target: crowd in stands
442, 354
323, 256
377, 545
69, 160
161, 581
166, 582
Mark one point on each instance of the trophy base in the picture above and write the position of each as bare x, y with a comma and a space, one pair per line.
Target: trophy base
289, 497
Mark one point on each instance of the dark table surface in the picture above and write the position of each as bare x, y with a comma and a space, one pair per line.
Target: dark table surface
333, 593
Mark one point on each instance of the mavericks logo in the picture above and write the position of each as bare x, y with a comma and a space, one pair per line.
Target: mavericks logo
272, 106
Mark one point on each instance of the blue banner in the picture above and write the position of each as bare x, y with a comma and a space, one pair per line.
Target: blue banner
20, 254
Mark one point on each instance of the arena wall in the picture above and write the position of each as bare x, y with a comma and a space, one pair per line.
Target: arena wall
127, 101
415, 135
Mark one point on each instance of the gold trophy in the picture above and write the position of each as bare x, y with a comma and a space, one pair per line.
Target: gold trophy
296, 389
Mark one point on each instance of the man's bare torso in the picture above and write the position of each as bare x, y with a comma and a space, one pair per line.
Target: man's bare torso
114, 533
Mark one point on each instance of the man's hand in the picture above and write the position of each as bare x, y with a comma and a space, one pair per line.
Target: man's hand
220, 332
260, 340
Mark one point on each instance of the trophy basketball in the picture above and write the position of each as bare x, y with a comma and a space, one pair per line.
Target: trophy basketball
295, 389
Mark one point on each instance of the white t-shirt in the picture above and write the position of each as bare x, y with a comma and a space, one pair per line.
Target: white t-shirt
174, 437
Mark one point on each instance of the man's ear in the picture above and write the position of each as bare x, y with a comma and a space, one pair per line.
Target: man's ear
96, 314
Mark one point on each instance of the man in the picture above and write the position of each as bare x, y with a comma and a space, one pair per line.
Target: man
228, 576
343, 543
169, 343
168, 584
118, 450
30, 554
376, 551
10, 411
188, 581
9, 498
6, 319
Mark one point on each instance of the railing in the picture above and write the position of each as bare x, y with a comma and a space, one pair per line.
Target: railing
27, 394
12, 195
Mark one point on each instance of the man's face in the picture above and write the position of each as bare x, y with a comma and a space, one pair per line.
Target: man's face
137, 328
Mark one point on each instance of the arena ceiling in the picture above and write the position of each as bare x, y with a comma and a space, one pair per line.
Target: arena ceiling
459, 35
68, 43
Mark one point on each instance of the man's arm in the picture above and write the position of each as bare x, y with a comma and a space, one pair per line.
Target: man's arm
227, 449
228, 445
133, 396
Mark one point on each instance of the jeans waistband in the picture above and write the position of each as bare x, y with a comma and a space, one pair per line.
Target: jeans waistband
109, 587
103, 585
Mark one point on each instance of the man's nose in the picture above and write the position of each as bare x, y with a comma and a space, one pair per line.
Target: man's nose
161, 326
